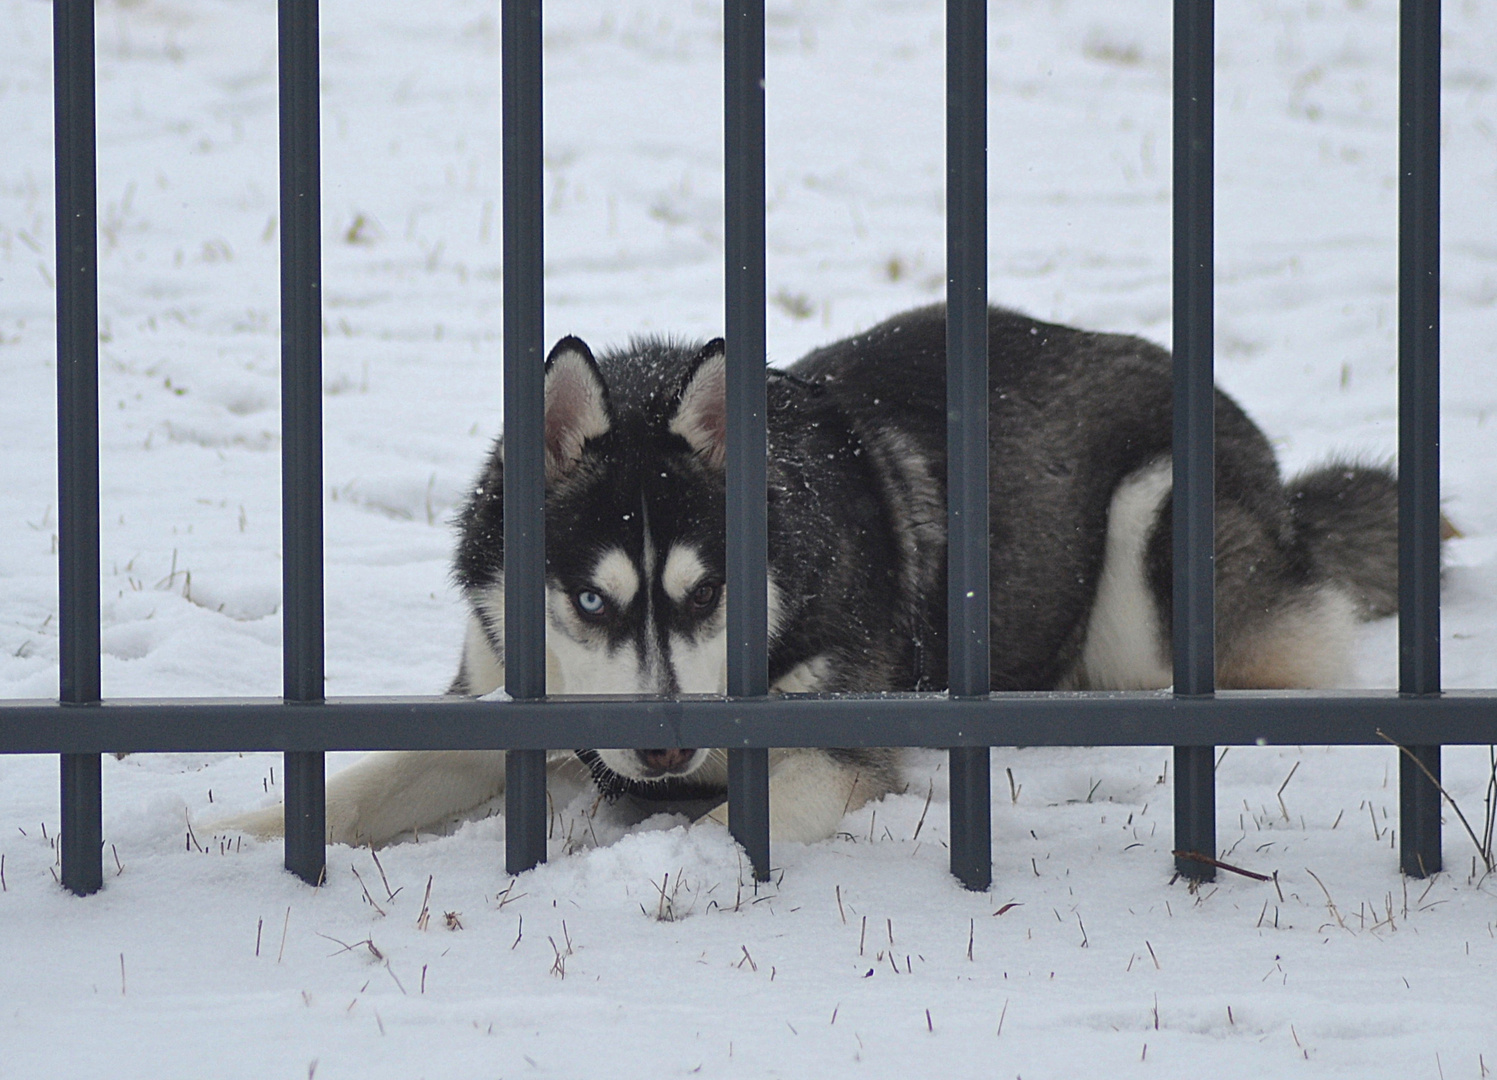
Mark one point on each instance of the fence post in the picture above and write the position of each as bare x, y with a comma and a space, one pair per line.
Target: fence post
747, 513
301, 423
524, 420
1419, 418
967, 584
1194, 491
77, 429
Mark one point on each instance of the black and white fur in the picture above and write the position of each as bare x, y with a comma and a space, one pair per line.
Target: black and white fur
1080, 552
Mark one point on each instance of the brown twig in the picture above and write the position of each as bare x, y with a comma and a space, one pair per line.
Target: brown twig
1196, 856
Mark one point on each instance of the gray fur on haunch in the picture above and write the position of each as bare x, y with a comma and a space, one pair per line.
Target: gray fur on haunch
1348, 516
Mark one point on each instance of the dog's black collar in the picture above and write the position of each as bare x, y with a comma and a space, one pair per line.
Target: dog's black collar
614, 786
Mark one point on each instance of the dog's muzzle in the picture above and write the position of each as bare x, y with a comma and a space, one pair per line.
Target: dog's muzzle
664, 762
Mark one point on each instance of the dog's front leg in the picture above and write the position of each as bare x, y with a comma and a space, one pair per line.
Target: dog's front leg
809, 794
388, 793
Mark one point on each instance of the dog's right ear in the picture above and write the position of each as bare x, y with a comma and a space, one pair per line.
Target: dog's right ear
702, 407
577, 406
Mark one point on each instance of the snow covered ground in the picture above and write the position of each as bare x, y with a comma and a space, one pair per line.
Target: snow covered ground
640, 953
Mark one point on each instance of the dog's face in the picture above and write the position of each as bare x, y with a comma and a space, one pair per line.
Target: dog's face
634, 538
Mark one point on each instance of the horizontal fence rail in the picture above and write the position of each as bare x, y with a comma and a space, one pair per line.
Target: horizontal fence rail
1194, 717
1099, 718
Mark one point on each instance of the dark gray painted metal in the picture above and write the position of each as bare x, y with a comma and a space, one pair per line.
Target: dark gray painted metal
1419, 415
82, 813
1419, 849
967, 592
524, 810
1195, 808
301, 418
524, 828
1145, 718
748, 805
77, 426
971, 816
967, 346
747, 516
1195, 420
524, 420
1420, 718
306, 815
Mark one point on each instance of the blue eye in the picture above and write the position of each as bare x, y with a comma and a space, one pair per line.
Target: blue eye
589, 604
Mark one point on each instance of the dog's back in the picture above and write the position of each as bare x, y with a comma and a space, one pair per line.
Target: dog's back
1079, 476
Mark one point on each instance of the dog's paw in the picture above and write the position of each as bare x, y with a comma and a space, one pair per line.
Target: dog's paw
270, 824
266, 824
794, 817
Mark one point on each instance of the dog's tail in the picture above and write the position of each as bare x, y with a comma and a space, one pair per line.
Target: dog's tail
1347, 516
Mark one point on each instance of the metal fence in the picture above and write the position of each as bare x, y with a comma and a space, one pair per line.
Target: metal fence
1194, 718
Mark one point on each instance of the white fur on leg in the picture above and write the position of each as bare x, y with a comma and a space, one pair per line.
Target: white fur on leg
387, 794
1125, 647
809, 794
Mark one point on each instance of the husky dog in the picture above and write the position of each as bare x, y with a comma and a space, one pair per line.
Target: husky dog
1080, 552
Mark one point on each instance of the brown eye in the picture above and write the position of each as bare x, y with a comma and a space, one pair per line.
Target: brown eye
704, 597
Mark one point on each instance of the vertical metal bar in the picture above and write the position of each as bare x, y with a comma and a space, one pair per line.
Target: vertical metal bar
301, 420
971, 816
747, 513
1195, 809
77, 428
1195, 421
1419, 416
82, 824
524, 420
967, 585
306, 814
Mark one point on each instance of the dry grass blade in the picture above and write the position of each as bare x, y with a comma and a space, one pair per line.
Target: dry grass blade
425, 917
367, 897
921, 823
1485, 852
389, 895
1329, 903
1280, 794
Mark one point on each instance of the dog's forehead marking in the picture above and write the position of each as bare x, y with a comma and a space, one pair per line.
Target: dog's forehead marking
683, 569
615, 574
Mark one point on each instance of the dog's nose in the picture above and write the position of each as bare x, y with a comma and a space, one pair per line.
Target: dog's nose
665, 760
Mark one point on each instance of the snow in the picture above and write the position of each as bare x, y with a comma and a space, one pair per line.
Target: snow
641, 951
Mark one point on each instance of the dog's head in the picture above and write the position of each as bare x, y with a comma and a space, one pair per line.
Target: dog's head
635, 604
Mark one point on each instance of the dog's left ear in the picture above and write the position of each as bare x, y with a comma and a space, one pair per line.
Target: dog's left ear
701, 416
